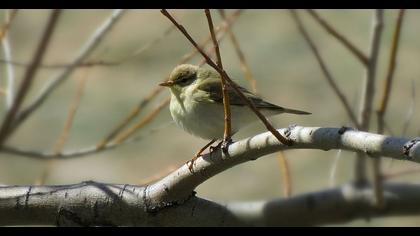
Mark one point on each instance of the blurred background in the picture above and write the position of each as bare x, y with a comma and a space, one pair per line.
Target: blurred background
285, 69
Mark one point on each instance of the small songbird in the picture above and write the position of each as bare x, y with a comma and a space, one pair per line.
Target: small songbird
197, 103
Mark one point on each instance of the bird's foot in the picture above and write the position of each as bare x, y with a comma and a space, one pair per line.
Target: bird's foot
225, 144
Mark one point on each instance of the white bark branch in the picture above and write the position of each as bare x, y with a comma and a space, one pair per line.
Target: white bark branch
92, 203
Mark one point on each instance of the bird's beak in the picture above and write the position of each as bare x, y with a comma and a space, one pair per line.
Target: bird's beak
167, 83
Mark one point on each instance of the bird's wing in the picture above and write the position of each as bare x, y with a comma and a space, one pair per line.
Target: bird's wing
213, 90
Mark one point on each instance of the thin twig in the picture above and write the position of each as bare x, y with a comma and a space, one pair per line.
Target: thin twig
137, 109
6, 26
384, 104
341, 38
125, 135
82, 152
242, 60
368, 90
390, 75
59, 145
137, 52
29, 75
226, 105
229, 80
7, 51
411, 109
285, 174
84, 52
324, 68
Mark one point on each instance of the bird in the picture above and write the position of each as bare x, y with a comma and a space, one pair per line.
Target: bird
196, 103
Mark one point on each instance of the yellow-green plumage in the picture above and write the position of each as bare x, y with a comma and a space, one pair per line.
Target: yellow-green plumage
197, 103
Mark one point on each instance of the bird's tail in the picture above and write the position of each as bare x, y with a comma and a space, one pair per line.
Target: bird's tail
292, 111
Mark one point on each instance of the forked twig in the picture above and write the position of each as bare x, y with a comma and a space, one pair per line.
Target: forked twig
29, 76
231, 83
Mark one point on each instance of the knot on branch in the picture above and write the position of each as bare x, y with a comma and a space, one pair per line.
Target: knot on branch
410, 146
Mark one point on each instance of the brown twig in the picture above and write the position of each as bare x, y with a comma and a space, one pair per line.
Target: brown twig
242, 60
6, 26
29, 75
368, 91
390, 74
383, 105
326, 72
59, 145
285, 173
143, 103
411, 109
341, 38
123, 136
226, 105
229, 80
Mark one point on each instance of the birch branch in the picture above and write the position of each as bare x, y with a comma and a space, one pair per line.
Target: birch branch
98, 204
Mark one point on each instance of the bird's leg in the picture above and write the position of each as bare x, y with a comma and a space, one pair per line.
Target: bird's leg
190, 163
225, 143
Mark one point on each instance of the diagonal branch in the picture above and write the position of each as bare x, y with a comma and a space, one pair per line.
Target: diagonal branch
328, 76
229, 80
341, 38
30, 73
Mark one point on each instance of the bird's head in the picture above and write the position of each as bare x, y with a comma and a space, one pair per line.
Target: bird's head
181, 77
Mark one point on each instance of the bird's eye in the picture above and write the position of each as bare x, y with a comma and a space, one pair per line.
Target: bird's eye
185, 80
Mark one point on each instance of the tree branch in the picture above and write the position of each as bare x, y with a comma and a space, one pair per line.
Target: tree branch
98, 204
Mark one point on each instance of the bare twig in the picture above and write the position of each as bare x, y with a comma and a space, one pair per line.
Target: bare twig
84, 52
59, 145
123, 136
137, 109
328, 76
242, 60
411, 109
231, 83
341, 38
7, 51
83, 152
29, 75
383, 106
226, 105
390, 74
368, 90
285, 173
6, 26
